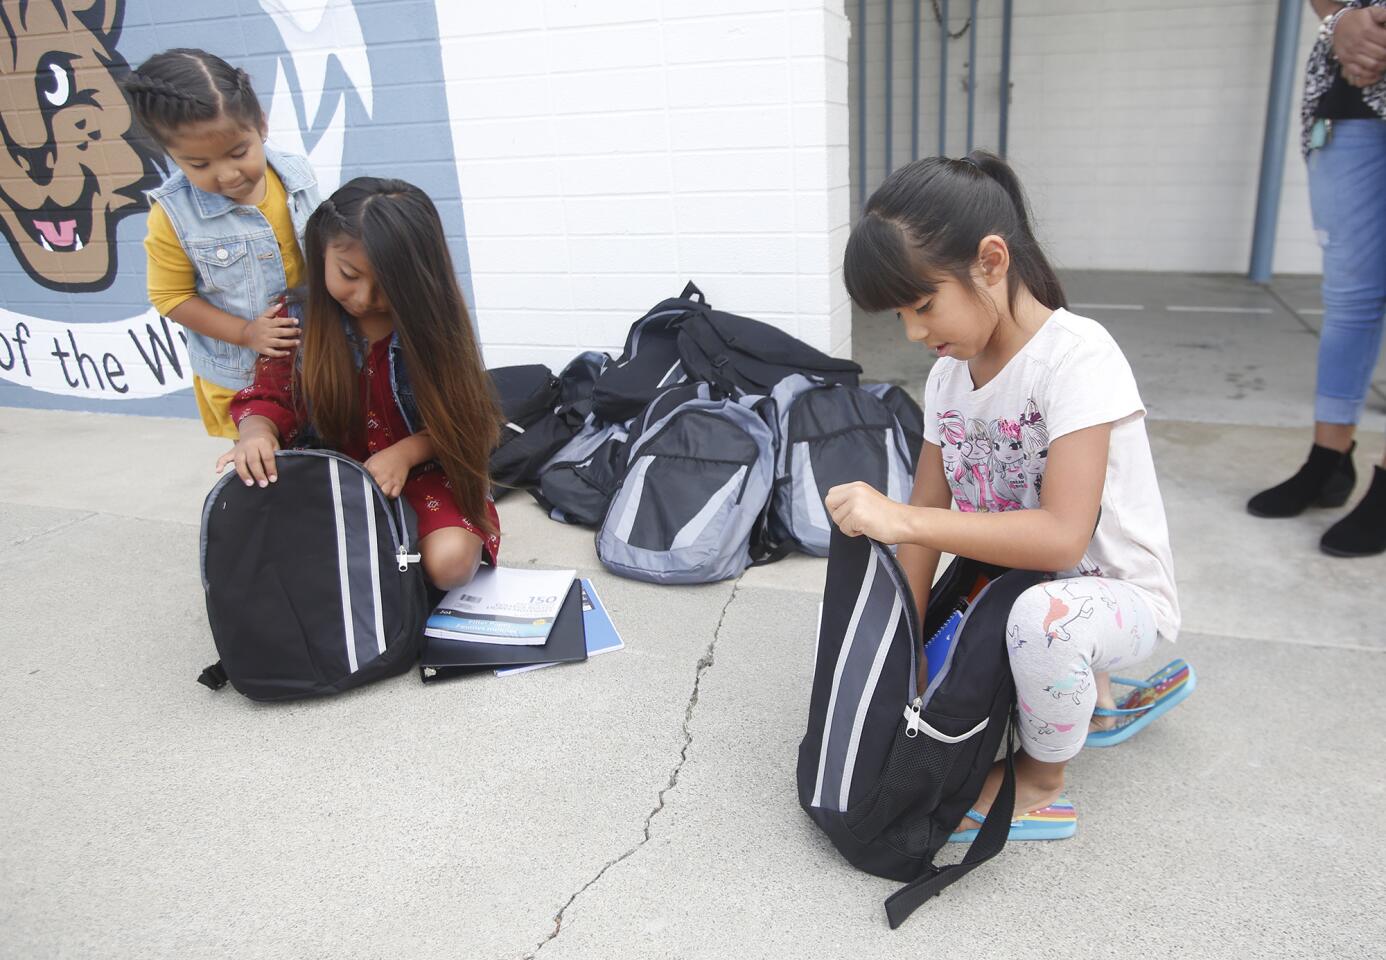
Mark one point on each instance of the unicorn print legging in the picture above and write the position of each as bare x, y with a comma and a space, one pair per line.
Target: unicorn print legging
1059, 634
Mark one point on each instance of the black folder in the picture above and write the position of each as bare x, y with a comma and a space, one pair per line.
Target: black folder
567, 643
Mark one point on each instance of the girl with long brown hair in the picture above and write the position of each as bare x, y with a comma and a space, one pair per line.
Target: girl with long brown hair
389, 373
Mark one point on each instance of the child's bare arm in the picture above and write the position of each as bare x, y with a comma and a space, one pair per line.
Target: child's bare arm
1052, 537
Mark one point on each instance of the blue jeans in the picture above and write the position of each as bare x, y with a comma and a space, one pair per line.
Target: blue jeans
1347, 192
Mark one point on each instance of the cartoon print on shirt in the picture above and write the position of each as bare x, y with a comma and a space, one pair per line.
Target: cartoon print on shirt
994, 466
1034, 440
952, 434
1006, 464
976, 455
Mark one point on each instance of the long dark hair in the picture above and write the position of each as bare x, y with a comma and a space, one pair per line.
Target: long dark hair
186, 85
399, 229
926, 222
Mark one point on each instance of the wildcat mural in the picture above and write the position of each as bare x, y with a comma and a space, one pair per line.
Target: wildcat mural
72, 166
76, 330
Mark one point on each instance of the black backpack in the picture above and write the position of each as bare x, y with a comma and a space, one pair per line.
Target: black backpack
886, 770
528, 395
697, 475
830, 434
741, 357
579, 378
311, 584
650, 361
577, 484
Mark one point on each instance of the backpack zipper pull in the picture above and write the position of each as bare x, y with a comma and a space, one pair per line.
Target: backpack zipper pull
404, 558
912, 720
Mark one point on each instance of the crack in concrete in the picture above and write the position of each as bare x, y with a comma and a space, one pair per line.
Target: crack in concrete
704, 662
70, 522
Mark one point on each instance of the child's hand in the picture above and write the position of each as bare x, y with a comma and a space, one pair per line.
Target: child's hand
270, 334
254, 459
859, 508
390, 469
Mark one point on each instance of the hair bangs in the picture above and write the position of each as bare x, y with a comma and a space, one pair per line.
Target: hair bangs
878, 269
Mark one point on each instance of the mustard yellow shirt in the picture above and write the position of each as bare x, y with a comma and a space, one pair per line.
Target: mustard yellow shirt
172, 278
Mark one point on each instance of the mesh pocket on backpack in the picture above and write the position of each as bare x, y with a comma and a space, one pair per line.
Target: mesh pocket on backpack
910, 834
910, 785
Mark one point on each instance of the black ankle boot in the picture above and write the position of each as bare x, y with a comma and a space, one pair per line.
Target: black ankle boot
1325, 480
1362, 533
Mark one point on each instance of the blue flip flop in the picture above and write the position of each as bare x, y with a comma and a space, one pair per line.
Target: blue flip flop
1157, 695
1058, 821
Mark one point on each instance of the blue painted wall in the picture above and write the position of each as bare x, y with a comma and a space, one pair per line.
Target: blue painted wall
357, 85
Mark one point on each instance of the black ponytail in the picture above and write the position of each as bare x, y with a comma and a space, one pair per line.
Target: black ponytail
927, 221
185, 85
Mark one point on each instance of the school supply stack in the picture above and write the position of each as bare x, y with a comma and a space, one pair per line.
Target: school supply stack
313, 585
599, 632
710, 443
501, 605
563, 640
513, 620
888, 770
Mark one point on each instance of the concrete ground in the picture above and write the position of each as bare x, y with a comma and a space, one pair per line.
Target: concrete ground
642, 804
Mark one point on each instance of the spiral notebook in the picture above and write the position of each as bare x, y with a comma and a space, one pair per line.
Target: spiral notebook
566, 643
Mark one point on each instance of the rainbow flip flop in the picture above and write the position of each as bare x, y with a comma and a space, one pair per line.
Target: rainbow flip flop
1159, 694
1058, 821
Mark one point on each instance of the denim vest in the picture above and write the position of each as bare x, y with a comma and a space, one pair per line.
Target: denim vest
236, 258
399, 374
399, 377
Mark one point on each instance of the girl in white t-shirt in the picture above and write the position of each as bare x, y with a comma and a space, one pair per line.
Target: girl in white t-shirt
1035, 432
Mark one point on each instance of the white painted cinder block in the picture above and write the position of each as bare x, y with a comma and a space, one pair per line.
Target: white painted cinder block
1136, 127
607, 153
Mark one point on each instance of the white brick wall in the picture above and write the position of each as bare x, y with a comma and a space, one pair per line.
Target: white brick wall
608, 152
1136, 126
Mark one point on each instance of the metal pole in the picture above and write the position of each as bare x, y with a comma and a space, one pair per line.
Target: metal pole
1005, 78
914, 88
889, 81
861, 97
943, 80
1278, 110
971, 70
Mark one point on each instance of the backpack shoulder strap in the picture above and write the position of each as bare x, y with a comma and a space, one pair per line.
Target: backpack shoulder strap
991, 840
213, 677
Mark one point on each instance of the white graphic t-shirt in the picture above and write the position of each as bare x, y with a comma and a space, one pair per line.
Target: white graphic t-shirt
995, 440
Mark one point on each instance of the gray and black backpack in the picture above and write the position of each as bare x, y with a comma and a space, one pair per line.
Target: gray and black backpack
886, 769
696, 483
578, 482
312, 584
828, 434
650, 362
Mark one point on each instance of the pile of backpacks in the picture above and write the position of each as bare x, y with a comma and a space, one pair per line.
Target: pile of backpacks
706, 447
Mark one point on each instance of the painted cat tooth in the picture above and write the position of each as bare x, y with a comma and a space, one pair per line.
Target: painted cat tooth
43, 241
78, 237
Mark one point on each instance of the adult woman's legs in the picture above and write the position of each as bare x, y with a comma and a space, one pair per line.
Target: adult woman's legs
1350, 220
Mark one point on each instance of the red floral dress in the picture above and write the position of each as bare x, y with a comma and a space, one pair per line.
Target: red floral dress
428, 489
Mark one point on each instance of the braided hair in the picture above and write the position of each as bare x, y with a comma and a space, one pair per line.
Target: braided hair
186, 85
